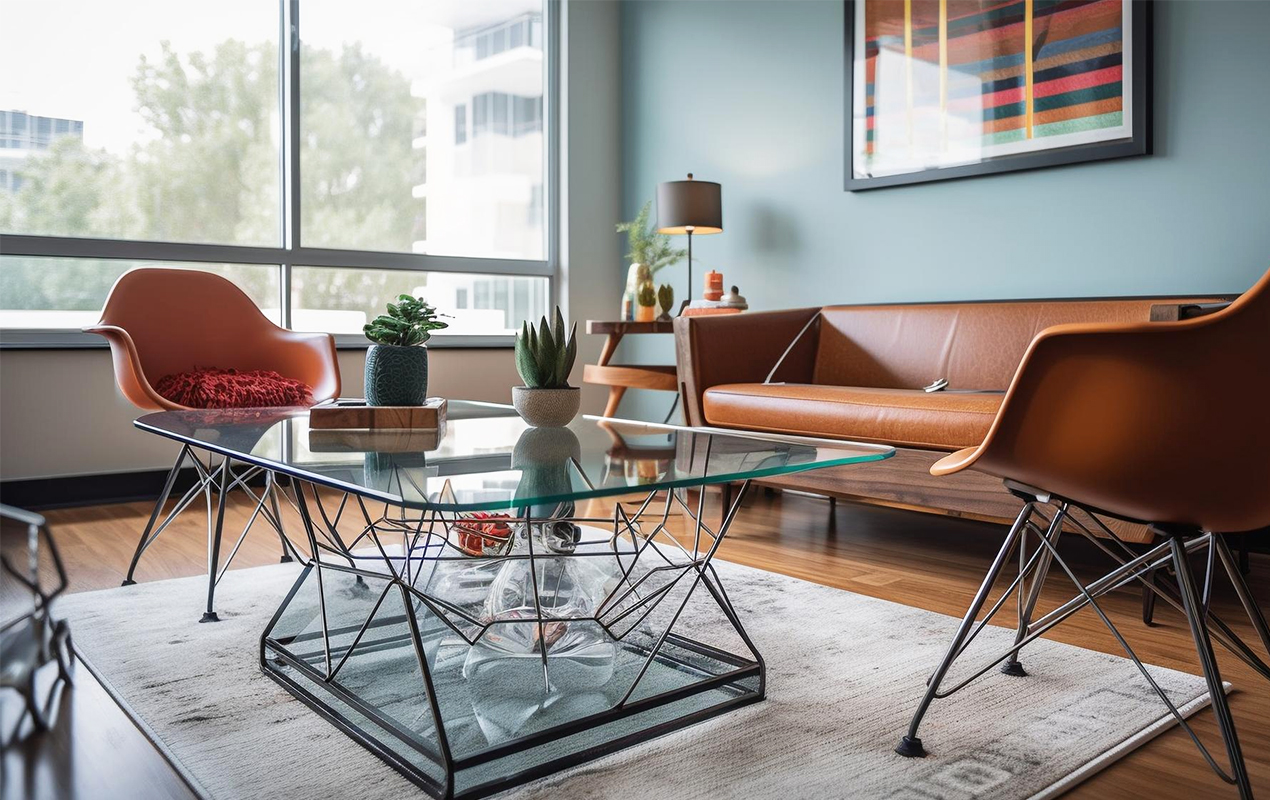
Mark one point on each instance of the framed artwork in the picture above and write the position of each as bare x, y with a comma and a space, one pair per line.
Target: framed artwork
939, 89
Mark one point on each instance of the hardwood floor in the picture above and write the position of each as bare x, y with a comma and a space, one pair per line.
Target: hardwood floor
919, 560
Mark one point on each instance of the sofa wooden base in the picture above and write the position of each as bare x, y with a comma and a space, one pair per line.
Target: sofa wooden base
904, 481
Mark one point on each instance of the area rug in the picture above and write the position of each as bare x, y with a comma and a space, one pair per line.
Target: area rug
845, 673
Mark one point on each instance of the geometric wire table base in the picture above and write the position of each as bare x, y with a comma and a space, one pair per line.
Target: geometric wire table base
473, 659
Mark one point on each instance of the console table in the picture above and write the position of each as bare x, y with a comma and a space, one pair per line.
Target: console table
620, 377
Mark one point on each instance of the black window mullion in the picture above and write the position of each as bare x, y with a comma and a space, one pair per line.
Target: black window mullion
289, 106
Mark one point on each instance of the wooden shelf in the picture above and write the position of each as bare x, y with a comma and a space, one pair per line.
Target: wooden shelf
633, 376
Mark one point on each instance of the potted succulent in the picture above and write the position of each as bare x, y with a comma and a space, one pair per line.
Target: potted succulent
544, 358
665, 300
649, 251
397, 362
646, 304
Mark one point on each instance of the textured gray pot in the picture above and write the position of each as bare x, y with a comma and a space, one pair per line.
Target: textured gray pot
396, 376
547, 408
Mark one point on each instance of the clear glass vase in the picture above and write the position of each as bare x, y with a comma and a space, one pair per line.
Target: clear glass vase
564, 588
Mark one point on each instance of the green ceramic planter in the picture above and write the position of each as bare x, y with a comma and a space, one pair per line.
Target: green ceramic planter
396, 376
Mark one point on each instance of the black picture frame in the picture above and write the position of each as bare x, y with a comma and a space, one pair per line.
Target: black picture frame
1139, 144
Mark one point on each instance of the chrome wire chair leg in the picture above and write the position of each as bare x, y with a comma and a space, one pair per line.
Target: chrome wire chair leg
910, 745
1175, 546
1255, 616
1148, 599
146, 539
1027, 604
214, 530
1196, 616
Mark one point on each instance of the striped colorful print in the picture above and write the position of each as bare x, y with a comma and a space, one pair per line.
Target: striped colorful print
988, 85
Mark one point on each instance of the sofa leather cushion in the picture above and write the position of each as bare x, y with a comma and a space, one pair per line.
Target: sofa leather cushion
976, 346
903, 417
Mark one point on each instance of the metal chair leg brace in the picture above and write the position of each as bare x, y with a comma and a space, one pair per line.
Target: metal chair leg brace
220, 479
1190, 599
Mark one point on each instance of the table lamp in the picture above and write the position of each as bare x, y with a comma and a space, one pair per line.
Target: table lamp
689, 207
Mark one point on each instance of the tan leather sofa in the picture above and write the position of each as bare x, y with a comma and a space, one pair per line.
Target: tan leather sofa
858, 372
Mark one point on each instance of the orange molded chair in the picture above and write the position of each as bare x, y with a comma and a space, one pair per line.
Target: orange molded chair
1163, 423
165, 321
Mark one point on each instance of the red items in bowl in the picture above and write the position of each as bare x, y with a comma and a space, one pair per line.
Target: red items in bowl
480, 532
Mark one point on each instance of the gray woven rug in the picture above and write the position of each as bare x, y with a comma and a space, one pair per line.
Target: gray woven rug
845, 673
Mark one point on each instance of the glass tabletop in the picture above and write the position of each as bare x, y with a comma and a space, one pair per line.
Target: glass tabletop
485, 458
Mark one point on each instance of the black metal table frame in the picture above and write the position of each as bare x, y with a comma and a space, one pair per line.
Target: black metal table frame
429, 533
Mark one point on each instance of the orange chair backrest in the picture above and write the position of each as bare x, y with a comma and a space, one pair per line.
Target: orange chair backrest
181, 319
1160, 422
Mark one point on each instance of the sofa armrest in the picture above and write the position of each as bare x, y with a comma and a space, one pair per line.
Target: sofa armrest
1173, 312
742, 348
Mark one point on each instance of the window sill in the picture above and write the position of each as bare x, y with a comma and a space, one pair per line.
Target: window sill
77, 340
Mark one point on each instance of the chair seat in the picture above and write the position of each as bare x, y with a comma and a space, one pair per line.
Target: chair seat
904, 417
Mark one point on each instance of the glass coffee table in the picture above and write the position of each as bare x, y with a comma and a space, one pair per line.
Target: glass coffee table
464, 610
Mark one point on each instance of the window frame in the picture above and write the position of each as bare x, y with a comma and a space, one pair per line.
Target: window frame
290, 253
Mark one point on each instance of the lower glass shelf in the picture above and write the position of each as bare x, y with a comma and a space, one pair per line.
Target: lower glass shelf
384, 664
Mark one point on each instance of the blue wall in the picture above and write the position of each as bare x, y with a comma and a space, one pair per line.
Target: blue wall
750, 94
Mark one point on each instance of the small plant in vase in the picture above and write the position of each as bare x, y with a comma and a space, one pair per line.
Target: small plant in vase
646, 304
544, 358
649, 251
397, 362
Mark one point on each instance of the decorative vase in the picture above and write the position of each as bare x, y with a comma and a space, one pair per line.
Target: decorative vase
547, 408
636, 275
645, 313
396, 376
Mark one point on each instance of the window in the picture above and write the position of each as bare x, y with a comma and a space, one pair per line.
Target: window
195, 135
62, 293
506, 114
343, 300
363, 82
460, 124
481, 41
137, 135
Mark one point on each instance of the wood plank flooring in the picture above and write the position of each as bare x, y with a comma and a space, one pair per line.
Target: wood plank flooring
919, 560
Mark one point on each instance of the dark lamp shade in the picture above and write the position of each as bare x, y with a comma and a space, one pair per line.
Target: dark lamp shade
690, 204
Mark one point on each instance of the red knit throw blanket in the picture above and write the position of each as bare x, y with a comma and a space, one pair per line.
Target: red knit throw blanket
230, 388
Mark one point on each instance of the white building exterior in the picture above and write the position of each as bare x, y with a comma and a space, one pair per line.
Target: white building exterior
481, 173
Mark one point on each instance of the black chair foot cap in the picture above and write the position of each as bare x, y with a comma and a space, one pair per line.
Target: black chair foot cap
911, 747
1013, 668
286, 560
128, 582
210, 616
